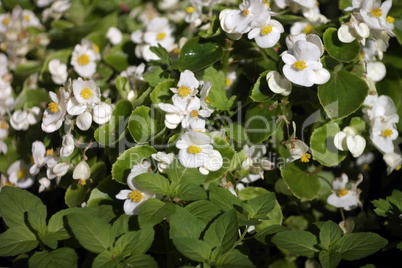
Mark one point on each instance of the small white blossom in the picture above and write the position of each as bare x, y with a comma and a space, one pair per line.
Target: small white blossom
83, 60
114, 35
342, 197
194, 148
58, 70
82, 172
67, 145
164, 160
18, 174
265, 31
278, 83
53, 116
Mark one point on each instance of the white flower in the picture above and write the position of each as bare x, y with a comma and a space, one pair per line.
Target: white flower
18, 175
29, 19
86, 92
40, 156
382, 134
83, 60
278, 83
194, 148
393, 161
374, 14
3, 128
114, 35
298, 150
194, 11
44, 183
342, 197
58, 70
57, 170
254, 155
187, 85
352, 30
82, 172
376, 70
265, 31
212, 162
3, 147
303, 66
67, 145
136, 195
175, 112
53, 116
19, 120
347, 139
164, 160
192, 118
159, 31
102, 113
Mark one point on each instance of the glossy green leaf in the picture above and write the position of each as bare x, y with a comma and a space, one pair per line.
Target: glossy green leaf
143, 261
117, 58
261, 205
162, 92
217, 94
62, 257
97, 197
203, 210
135, 242
184, 224
28, 67
29, 98
188, 191
17, 240
261, 91
142, 124
359, 245
153, 182
76, 194
193, 248
323, 147
153, 211
329, 259
330, 234
197, 54
223, 231
222, 198
298, 242
358, 123
343, 94
122, 167
179, 174
345, 52
106, 259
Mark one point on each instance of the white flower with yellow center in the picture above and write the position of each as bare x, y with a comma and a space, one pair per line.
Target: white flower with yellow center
83, 60
5, 20
354, 29
375, 14
175, 112
29, 19
53, 116
40, 156
58, 70
265, 31
86, 93
194, 114
297, 149
187, 85
159, 31
18, 175
383, 133
194, 148
342, 197
393, 161
193, 11
303, 66
136, 195
82, 172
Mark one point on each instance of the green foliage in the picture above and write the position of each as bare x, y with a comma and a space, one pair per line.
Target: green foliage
142, 124
298, 242
344, 52
217, 93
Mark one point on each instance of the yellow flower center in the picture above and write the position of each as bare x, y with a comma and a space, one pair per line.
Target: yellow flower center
387, 133
377, 12
184, 91
245, 12
192, 149
49, 152
308, 29
398, 168
266, 30
390, 19
300, 65
176, 51
9, 184
306, 158
53, 107
267, 3
136, 196
86, 93
342, 192
96, 48
3, 47
194, 113
6, 21
22, 173
82, 182
3, 125
160, 36
27, 17
83, 59
228, 82
190, 10
208, 100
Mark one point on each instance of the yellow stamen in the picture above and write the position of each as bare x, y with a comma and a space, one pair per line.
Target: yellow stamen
9, 184
27, 17
96, 48
3, 125
194, 113
228, 82
86, 93
366, 167
377, 12
6, 21
308, 29
22, 173
190, 10
82, 182
266, 30
246, 12
342, 192
192, 149
305, 158
390, 19
49, 152
184, 91
398, 168
176, 51
83, 59
317, 3
3, 47
53, 107
387, 133
300, 65
208, 100
136, 196
160, 36
267, 3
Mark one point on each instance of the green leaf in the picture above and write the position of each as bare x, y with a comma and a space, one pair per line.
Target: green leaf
96, 197
109, 133
261, 205
161, 52
122, 167
260, 121
14, 202
153, 182
358, 123
121, 225
343, 94
92, 233
345, 52
268, 231
76, 194
179, 174
203, 210
156, 76
359, 245
28, 67
197, 54
17, 240
143, 261
193, 248
303, 185
135, 242
330, 234
162, 92
184, 224
222, 198
153, 211
49, 239
236, 132
261, 91
217, 94
323, 147
106, 259
29, 98
123, 86
142, 124
329, 259
233, 259
223, 231
298, 242
62, 257
188, 191
117, 58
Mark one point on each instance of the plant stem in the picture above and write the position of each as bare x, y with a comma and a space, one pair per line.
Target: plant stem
240, 239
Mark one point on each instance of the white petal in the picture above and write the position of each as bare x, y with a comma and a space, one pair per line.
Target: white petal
340, 141
356, 145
